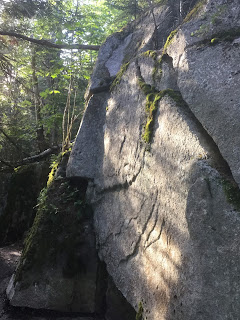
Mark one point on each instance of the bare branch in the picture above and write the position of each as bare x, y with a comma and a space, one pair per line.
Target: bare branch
12, 141
49, 44
36, 158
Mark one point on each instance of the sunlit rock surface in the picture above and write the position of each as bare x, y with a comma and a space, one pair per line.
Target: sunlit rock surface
158, 151
166, 212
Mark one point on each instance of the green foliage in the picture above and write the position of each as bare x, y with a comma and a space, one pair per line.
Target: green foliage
131, 9
70, 22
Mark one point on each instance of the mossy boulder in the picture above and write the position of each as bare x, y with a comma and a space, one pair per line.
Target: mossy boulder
166, 207
59, 263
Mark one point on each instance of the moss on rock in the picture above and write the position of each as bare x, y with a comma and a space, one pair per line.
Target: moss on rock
225, 36
57, 229
232, 193
169, 40
119, 75
139, 315
196, 9
152, 99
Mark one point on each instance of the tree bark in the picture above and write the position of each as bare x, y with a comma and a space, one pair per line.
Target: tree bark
50, 44
37, 100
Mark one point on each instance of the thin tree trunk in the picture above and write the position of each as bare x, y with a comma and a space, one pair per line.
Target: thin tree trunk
135, 9
37, 101
155, 24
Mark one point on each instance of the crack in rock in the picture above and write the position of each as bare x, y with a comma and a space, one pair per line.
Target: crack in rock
152, 229
136, 247
159, 235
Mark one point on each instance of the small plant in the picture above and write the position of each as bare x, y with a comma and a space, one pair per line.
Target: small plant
42, 199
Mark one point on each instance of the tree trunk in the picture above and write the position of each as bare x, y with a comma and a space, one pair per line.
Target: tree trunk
42, 145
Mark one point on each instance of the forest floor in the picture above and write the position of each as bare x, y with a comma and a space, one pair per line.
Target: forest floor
9, 257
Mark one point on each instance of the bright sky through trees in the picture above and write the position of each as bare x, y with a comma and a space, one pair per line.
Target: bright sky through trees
38, 82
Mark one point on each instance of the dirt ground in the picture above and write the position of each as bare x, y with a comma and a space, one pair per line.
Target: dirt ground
9, 257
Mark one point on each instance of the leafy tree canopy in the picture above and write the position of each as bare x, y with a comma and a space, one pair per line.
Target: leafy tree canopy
40, 86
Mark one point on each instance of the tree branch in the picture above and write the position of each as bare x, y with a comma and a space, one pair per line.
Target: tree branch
12, 142
49, 44
36, 158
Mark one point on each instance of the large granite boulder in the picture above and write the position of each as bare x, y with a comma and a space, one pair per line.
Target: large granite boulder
160, 151
59, 264
59, 269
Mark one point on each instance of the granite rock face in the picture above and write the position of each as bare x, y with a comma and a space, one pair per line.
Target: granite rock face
166, 212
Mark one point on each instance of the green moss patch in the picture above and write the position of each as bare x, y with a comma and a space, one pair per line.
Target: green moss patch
225, 36
169, 40
152, 99
55, 162
150, 53
119, 75
193, 13
232, 193
139, 315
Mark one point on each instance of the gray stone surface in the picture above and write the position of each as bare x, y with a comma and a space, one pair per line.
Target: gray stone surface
135, 39
209, 76
90, 139
166, 229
